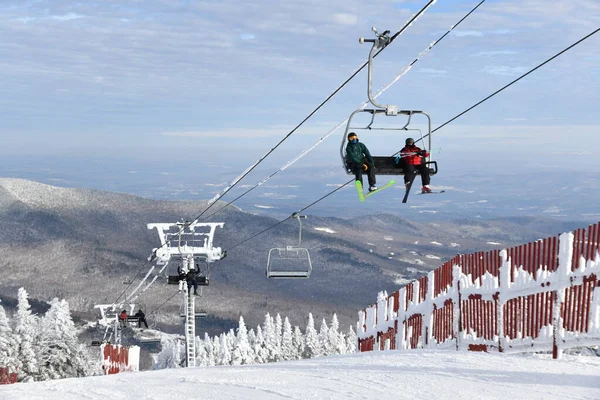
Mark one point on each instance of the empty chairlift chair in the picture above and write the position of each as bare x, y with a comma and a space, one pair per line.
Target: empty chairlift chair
290, 261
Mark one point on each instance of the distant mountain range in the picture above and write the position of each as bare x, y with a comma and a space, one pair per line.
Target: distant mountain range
82, 244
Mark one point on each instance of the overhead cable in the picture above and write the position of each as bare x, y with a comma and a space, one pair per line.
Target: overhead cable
363, 105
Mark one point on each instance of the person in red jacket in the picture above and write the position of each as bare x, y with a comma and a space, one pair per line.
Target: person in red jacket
412, 159
123, 318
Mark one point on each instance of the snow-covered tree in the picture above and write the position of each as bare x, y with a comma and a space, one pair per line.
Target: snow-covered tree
8, 343
298, 342
260, 352
278, 333
336, 343
26, 326
270, 335
351, 341
311, 340
242, 351
60, 355
288, 350
172, 354
201, 354
208, 345
251, 338
323, 338
224, 351
216, 345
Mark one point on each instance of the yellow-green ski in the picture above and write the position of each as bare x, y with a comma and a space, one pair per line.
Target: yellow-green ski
362, 196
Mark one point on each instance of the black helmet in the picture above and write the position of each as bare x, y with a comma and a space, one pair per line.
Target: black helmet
410, 141
352, 134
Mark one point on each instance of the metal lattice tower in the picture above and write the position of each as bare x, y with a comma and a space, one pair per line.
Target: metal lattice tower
187, 243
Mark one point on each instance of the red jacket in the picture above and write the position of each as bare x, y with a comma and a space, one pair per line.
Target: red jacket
410, 156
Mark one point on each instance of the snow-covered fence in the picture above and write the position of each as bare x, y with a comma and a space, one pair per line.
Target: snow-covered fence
543, 295
118, 358
7, 377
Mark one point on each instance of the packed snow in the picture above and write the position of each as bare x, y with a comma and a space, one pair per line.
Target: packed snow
417, 374
326, 230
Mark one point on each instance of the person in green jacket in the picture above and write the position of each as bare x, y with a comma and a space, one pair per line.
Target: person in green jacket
359, 160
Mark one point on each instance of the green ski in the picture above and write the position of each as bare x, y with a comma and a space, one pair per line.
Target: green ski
362, 196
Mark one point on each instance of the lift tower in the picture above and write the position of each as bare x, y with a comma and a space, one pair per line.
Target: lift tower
184, 245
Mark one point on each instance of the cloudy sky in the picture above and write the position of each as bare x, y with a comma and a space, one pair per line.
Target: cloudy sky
117, 76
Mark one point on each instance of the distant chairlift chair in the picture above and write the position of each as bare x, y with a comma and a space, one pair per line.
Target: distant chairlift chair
290, 261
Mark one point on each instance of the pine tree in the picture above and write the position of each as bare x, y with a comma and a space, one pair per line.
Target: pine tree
323, 338
288, 350
278, 334
208, 345
252, 338
201, 354
311, 340
216, 344
260, 351
224, 351
60, 354
8, 344
243, 352
351, 341
26, 326
336, 343
270, 335
298, 343
171, 354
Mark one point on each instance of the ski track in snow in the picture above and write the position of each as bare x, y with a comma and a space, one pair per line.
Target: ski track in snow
414, 375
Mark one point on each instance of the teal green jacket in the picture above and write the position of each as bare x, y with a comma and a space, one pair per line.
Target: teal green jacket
357, 152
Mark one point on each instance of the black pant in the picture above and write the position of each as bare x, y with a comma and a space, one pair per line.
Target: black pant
358, 170
140, 320
192, 282
409, 171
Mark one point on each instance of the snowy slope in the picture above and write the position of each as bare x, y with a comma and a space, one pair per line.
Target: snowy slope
377, 375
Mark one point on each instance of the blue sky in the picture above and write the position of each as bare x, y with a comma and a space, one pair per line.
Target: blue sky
148, 78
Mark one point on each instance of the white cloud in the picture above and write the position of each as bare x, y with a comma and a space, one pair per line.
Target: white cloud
433, 71
67, 17
505, 70
460, 33
493, 53
345, 19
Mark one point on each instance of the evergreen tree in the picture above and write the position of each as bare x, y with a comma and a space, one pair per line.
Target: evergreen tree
351, 341
252, 338
311, 340
288, 350
298, 343
60, 354
270, 335
224, 350
26, 326
243, 352
323, 338
8, 344
260, 351
201, 354
170, 355
278, 333
208, 345
336, 343
216, 344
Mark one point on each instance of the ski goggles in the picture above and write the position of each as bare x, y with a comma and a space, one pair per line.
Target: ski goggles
352, 137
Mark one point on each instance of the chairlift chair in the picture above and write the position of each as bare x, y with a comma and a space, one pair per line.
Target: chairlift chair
384, 165
290, 261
